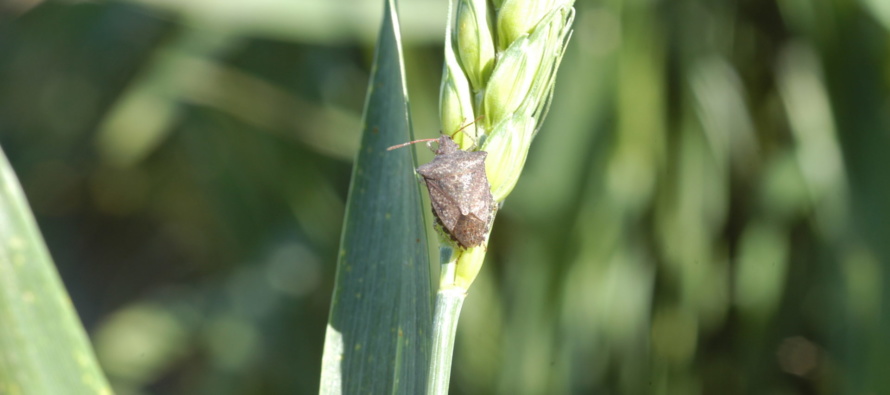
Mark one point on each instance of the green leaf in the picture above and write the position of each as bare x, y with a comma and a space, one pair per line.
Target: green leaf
378, 334
44, 350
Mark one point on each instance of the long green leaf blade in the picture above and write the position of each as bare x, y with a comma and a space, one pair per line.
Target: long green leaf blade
378, 336
43, 347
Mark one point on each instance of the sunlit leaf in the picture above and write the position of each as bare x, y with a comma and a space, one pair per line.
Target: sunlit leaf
378, 332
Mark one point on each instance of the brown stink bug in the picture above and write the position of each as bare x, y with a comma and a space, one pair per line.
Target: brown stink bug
459, 190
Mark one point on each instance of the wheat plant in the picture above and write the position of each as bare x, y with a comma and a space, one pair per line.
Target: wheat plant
501, 59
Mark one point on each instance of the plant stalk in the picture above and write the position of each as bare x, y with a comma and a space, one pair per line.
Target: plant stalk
448, 305
449, 299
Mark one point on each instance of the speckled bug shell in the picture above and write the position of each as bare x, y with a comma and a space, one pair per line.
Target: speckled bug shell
459, 192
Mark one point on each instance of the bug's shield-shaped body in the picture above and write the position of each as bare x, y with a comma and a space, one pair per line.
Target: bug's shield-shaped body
459, 192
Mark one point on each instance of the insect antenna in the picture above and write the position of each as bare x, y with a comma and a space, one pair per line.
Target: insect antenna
431, 140
410, 142
466, 126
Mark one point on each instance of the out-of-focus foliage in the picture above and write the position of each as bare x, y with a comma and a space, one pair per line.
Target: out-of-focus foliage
43, 346
704, 211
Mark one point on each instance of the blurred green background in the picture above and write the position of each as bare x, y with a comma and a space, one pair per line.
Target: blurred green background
704, 211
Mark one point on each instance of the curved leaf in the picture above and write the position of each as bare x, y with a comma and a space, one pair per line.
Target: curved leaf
378, 332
